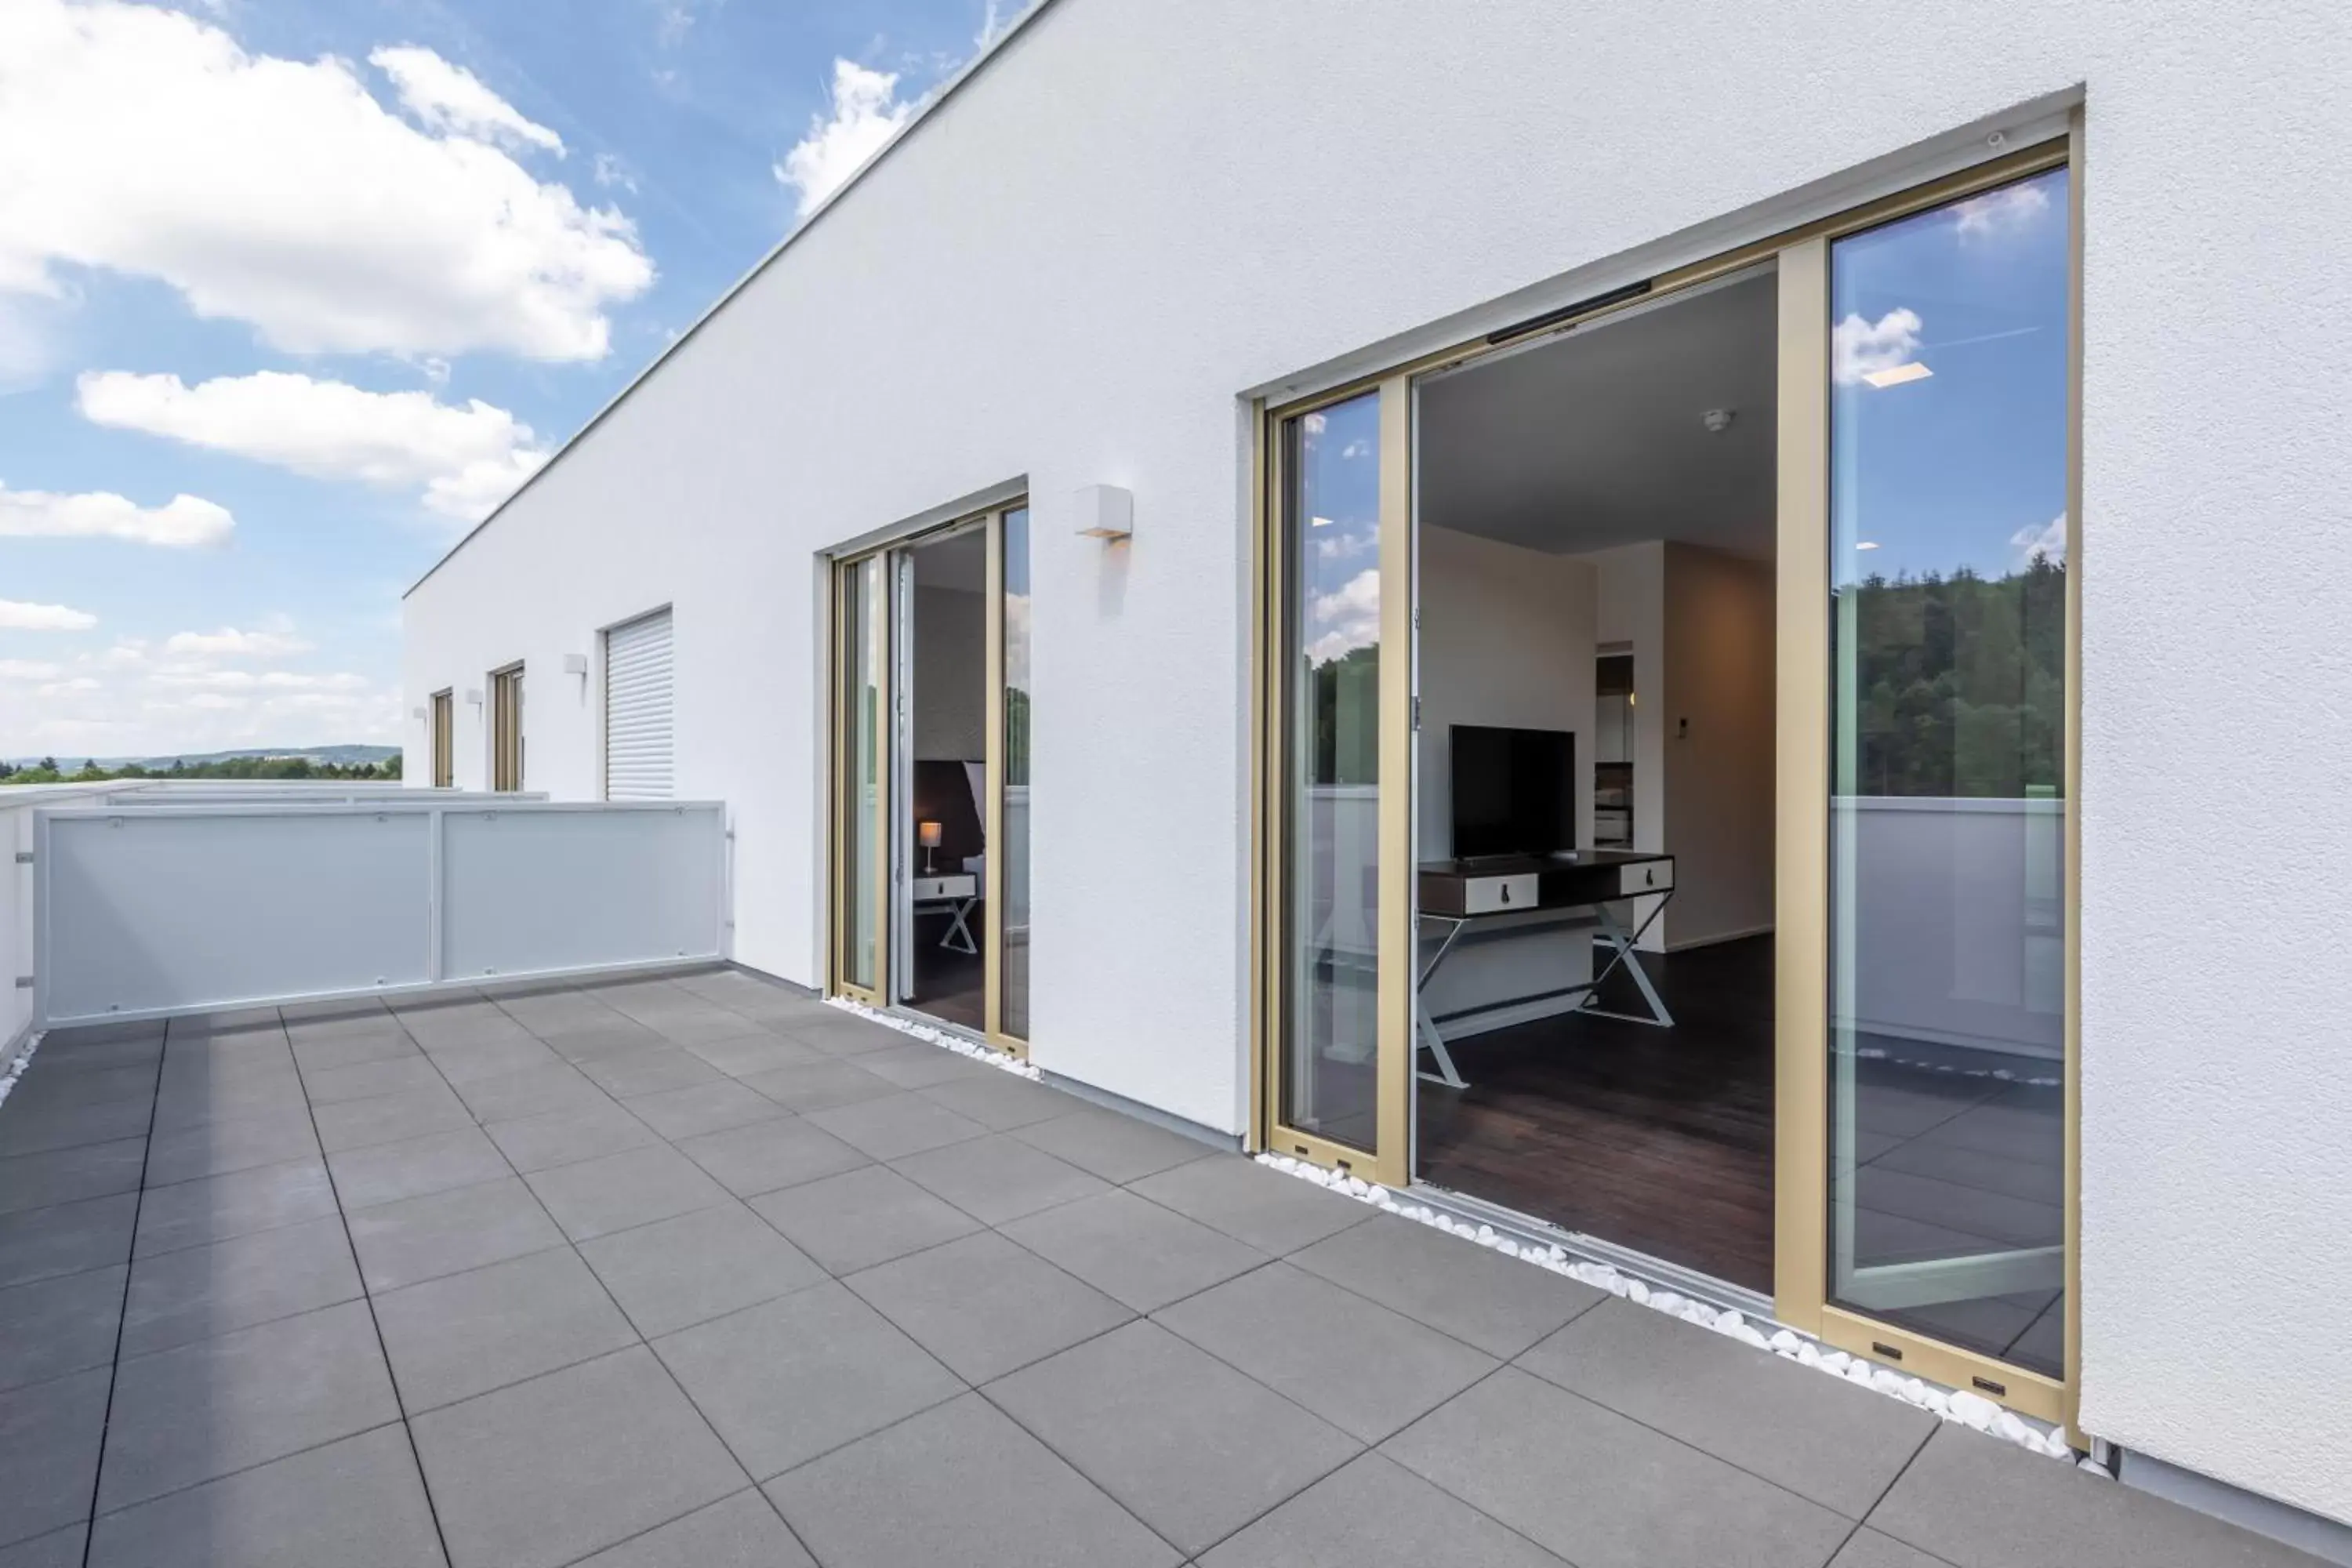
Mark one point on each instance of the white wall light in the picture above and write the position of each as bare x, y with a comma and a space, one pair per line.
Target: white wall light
575, 663
417, 714
1104, 512
474, 695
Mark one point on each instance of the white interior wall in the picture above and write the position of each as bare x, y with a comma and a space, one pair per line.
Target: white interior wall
1716, 711
1505, 639
1056, 244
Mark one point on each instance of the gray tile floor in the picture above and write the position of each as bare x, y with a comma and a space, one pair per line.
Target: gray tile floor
695, 1271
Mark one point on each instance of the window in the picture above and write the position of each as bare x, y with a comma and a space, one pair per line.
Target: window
506, 728
639, 744
444, 736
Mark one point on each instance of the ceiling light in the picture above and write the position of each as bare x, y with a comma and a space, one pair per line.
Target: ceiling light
1867, 545
1895, 375
1319, 522
1717, 420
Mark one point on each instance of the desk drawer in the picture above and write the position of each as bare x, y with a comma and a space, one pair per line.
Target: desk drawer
1646, 876
1494, 895
944, 888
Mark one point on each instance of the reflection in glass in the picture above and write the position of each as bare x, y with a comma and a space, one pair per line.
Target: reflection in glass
1332, 655
1948, 441
1015, 982
862, 629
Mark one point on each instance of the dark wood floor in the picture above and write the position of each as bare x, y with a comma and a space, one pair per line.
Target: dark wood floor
947, 983
1655, 1139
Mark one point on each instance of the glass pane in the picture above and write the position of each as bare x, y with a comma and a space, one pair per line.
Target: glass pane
1013, 1014
1947, 443
1331, 536
863, 628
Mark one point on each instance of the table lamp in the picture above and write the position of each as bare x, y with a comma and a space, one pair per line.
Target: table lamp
927, 834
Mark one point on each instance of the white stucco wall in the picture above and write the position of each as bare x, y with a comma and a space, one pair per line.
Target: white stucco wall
1139, 211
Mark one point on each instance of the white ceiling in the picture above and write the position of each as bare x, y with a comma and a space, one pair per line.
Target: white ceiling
1597, 438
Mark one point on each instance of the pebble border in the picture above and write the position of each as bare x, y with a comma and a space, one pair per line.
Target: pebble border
954, 1042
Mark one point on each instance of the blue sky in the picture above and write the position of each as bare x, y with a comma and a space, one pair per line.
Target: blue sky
340, 274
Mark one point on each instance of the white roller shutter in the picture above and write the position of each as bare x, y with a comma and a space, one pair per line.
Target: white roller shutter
638, 756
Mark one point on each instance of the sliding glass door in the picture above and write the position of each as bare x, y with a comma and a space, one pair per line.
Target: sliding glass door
930, 747
1338, 643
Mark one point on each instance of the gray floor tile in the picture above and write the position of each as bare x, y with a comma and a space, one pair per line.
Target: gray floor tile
65, 1050
984, 1305
215, 1208
593, 1197
1187, 1444
862, 1217
586, 1042
1133, 1250
387, 1173
1359, 1366
819, 1086
1113, 1146
46, 1090
1377, 1514
787, 1380
1980, 1502
896, 1126
553, 1086
58, 1549
628, 1075
364, 1080
996, 1178
960, 1485
319, 1053
550, 1470
698, 1025
740, 1531
390, 1118
1497, 1303
66, 1238
1868, 1548
239, 1094
1604, 1491
464, 1334
561, 1137
841, 1034
744, 1055
678, 1272
49, 1437
64, 1176
202, 1410
444, 1233
103, 1123
922, 1064
1001, 1101
200, 1291
1252, 1202
784, 1153
501, 1059
357, 1503
220, 1147
1822, 1438
52, 1326
679, 1114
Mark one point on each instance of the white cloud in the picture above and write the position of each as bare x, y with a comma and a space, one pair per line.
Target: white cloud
1346, 618
2002, 210
96, 705
231, 643
464, 460
29, 670
16, 616
182, 522
610, 170
1859, 348
866, 112
278, 192
2048, 540
452, 100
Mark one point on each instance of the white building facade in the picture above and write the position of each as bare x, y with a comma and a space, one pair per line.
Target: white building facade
1132, 230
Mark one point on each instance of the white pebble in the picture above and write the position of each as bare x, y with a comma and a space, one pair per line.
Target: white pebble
1975, 1411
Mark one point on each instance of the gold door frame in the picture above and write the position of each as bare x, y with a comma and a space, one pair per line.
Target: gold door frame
1802, 769
841, 783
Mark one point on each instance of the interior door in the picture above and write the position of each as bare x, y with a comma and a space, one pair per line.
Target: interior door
1337, 817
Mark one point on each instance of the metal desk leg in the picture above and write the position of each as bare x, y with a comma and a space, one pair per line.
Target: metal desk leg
956, 929
1618, 939
1425, 1028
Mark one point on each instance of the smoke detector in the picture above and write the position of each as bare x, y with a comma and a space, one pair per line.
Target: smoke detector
1717, 420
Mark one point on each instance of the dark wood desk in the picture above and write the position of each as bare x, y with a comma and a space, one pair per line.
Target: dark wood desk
1459, 894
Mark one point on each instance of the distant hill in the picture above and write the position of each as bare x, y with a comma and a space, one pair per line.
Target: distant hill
347, 756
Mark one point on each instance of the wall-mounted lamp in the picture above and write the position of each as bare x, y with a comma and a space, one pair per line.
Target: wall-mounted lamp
576, 664
474, 695
416, 713
1104, 512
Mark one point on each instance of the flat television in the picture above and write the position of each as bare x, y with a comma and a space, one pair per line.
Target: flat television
1514, 791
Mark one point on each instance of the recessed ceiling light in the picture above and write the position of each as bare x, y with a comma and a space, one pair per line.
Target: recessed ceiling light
1895, 375
1867, 545
1319, 522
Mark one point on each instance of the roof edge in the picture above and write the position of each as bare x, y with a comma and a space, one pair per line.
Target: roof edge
923, 112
